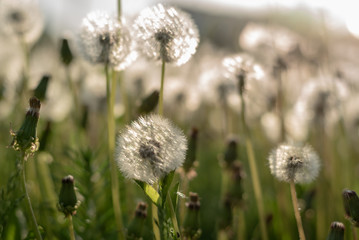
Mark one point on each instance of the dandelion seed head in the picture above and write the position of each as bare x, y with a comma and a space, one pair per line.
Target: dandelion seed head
166, 33
150, 148
106, 40
294, 163
241, 69
255, 36
21, 18
318, 104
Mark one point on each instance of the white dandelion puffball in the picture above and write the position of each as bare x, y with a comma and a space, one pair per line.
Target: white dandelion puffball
166, 34
106, 40
150, 148
242, 70
21, 18
294, 163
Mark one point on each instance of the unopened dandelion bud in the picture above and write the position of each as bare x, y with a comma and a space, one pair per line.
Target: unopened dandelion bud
149, 103
40, 90
135, 229
191, 225
226, 214
192, 150
67, 199
65, 51
231, 153
351, 206
291, 163
336, 231
236, 190
25, 139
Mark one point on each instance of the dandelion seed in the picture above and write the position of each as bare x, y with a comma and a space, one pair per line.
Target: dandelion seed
150, 148
106, 40
294, 163
318, 104
21, 18
166, 33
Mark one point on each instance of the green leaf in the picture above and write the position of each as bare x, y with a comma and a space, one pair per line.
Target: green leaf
166, 184
150, 192
174, 195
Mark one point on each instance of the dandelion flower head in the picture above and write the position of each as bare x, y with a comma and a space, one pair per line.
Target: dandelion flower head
256, 36
166, 33
299, 164
150, 148
241, 69
106, 40
318, 104
21, 18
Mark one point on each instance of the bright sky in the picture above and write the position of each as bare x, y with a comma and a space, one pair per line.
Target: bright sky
67, 14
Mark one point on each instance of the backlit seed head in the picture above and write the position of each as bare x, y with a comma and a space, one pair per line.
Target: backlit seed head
299, 164
150, 148
166, 33
106, 40
21, 18
241, 69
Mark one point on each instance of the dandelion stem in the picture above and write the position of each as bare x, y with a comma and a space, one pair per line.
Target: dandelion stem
296, 211
28, 201
354, 232
124, 97
257, 188
110, 93
71, 227
254, 173
173, 215
119, 9
26, 70
73, 89
160, 103
155, 219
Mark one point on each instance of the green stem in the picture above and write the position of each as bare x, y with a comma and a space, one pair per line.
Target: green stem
173, 215
73, 89
296, 211
160, 103
119, 9
254, 174
110, 93
185, 187
155, 218
26, 70
71, 227
280, 107
354, 230
124, 97
28, 201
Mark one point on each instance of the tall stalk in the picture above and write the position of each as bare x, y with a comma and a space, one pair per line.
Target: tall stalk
110, 93
27, 197
71, 227
160, 103
296, 211
254, 173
